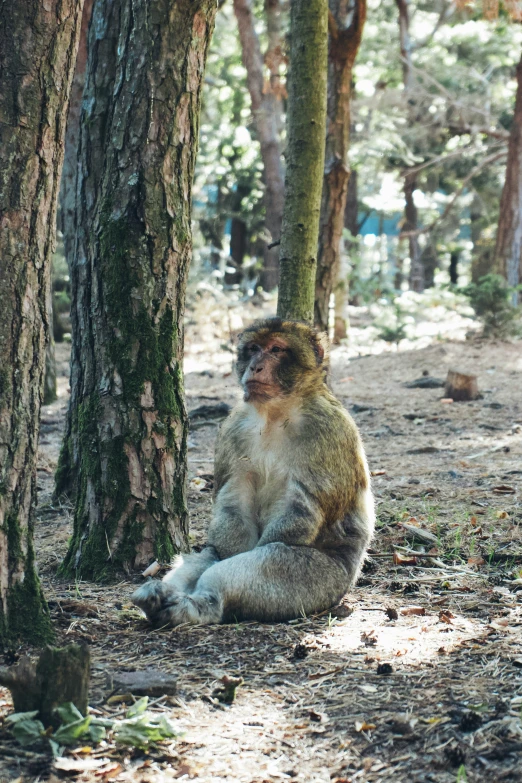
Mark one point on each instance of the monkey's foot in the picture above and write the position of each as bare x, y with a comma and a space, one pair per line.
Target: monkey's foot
150, 598
198, 609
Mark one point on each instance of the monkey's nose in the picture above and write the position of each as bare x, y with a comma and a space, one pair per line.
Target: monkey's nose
259, 369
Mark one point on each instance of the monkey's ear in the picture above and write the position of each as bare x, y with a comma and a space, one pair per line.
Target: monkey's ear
321, 347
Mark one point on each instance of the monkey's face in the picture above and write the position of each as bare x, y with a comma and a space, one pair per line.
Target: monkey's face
277, 358
261, 379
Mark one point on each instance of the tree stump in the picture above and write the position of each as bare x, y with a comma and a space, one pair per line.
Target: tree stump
461, 386
60, 675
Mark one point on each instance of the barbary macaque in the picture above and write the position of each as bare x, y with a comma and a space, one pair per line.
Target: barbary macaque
293, 508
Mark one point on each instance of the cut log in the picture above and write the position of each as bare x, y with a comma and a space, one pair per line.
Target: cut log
461, 386
60, 675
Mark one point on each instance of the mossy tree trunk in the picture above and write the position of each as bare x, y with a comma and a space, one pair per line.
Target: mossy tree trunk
508, 251
38, 43
124, 452
265, 100
345, 23
306, 121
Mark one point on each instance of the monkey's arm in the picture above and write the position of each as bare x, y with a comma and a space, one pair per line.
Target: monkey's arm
297, 521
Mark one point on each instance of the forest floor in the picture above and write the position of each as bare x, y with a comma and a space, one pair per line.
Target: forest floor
416, 677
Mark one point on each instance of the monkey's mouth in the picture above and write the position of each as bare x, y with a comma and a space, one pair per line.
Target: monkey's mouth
259, 389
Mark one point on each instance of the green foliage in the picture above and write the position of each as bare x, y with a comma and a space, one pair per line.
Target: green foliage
491, 299
138, 729
228, 181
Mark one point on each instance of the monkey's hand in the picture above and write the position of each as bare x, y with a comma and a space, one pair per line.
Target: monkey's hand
151, 597
297, 523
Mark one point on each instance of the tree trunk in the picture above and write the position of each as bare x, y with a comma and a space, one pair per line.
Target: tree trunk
508, 251
266, 113
306, 121
346, 22
67, 201
38, 43
50, 391
416, 278
124, 451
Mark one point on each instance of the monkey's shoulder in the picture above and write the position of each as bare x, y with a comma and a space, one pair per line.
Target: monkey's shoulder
326, 422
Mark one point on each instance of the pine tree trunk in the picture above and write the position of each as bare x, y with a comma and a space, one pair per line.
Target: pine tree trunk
124, 450
346, 22
67, 200
306, 122
38, 43
508, 252
266, 112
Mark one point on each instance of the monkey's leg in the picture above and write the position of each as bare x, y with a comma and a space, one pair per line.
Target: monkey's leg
182, 578
275, 582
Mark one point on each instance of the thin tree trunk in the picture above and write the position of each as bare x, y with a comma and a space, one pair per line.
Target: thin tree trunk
38, 43
508, 251
346, 23
67, 201
124, 450
274, 57
265, 110
50, 390
416, 278
306, 121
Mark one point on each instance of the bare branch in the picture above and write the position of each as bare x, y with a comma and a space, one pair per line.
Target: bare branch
443, 158
482, 165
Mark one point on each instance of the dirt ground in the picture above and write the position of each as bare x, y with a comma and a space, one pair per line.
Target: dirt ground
416, 677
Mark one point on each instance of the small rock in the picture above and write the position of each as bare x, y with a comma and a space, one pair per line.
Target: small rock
426, 382
148, 682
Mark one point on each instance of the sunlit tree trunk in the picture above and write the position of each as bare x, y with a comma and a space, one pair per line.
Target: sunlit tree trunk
306, 120
346, 22
124, 451
508, 252
38, 43
266, 111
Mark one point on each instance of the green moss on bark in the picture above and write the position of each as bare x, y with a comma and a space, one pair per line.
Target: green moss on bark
27, 618
305, 158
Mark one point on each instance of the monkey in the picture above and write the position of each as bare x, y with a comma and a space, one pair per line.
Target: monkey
293, 510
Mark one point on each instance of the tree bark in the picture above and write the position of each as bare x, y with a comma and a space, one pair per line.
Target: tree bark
124, 451
508, 251
38, 43
306, 120
61, 675
346, 23
266, 113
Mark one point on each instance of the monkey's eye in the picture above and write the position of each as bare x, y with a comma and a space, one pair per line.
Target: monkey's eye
252, 348
276, 349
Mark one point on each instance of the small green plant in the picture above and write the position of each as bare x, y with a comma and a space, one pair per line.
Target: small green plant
461, 774
139, 728
491, 298
396, 331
